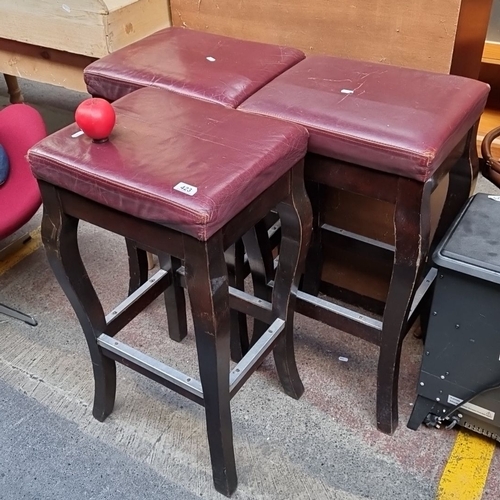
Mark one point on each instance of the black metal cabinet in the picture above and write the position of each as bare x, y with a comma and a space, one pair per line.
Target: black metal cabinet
460, 374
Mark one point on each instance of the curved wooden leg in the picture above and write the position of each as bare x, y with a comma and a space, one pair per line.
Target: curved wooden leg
412, 233
59, 235
462, 178
260, 258
296, 228
16, 97
175, 301
137, 265
235, 260
461, 182
312, 275
207, 285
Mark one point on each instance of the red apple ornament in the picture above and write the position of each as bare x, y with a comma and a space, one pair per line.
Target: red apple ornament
96, 117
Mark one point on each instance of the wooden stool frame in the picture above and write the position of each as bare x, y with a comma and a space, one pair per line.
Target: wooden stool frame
206, 280
412, 275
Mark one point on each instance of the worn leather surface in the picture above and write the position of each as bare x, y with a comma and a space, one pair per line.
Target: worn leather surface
162, 139
202, 65
396, 120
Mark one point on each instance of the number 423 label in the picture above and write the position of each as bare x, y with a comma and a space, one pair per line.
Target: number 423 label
186, 188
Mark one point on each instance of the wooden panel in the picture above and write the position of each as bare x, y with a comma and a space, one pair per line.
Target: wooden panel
418, 34
358, 268
470, 37
491, 53
135, 21
490, 73
359, 214
74, 26
87, 27
43, 65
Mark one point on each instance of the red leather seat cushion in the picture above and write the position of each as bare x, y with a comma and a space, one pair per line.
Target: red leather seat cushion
209, 67
397, 120
21, 126
162, 139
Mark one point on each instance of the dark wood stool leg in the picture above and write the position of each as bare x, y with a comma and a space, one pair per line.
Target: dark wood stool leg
59, 234
175, 301
461, 183
312, 276
412, 233
296, 228
260, 258
207, 284
137, 265
235, 260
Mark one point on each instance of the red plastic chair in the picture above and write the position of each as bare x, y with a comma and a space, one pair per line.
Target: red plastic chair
21, 126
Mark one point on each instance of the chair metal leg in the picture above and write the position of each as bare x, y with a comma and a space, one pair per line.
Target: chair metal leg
14, 313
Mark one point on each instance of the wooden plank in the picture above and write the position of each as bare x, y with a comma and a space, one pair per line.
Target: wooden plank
357, 268
87, 27
413, 34
367, 216
43, 65
491, 53
470, 37
70, 25
132, 22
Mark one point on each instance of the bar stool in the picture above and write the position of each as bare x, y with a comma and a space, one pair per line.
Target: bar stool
204, 66
387, 133
392, 134
186, 178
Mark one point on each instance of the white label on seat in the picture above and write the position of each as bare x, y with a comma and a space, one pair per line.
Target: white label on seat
186, 188
347, 91
494, 198
210, 59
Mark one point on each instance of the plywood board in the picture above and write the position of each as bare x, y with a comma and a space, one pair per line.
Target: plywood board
88, 27
135, 20
43, 65
365, 273
412, 33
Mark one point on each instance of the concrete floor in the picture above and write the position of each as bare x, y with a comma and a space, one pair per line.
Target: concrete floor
324, 446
